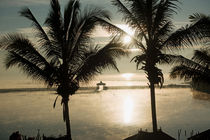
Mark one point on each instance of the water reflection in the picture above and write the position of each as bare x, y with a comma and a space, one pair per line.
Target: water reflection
129, 83
127, 76
128, 109
107, 115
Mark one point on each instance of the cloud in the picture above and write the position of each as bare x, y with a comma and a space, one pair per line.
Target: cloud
100, 35
30, 32
98, 32
23, 2
27, 31
44, 2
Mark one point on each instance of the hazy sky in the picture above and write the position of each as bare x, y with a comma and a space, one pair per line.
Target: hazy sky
10, 21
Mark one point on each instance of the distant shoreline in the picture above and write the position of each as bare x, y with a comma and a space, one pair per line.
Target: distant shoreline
10, 90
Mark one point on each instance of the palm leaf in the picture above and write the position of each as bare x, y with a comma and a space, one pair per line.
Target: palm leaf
70, 17
185, 72
131, 19
127, 15
44, 41
23, 53
202, 57
22, 46
196, 69
100, 59
190, 35
139, 59
197, 17
138, 8
30, 68
54, 21
165, 10
85, 26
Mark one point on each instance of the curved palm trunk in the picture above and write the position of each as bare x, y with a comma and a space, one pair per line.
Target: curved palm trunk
66, 118
153, 107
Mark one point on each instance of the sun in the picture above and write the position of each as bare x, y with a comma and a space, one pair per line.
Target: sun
127, 76
127, 38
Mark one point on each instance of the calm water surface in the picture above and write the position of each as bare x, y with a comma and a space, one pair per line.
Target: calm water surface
107, 115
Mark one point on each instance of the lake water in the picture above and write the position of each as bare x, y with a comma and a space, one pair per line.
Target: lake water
108, 115
111, 114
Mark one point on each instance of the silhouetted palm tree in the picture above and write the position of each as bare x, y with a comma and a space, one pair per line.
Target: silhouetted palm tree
152, 22
195, 70
63, 56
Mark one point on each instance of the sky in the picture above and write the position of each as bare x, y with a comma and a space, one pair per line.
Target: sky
10, 21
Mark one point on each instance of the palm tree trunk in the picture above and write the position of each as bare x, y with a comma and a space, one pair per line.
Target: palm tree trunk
67, 120
153, 107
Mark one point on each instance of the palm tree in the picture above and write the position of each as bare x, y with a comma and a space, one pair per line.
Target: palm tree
63, 55
152, 22
195, 70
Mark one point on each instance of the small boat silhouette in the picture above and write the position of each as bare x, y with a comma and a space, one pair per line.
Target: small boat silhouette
101, 86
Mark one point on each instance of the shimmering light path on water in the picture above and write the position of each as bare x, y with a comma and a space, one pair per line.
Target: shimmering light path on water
107, 115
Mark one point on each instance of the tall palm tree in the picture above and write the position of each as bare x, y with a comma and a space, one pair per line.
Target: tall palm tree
63, 55
152, 22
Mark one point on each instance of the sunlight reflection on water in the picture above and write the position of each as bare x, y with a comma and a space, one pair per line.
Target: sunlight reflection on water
128, 109
106, 115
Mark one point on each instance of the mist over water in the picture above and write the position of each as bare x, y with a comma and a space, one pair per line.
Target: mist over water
110, 114
115, 113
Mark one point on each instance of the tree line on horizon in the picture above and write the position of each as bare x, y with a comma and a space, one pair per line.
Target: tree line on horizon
64, 55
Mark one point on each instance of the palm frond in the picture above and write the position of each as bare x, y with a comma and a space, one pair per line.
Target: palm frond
54, 21
30, 68
19, 44
180, 60
139, 59
154, 74
194, 70
165, 10
86, 25
20, 48
164, 31
44, 41
172, 59
167, 58
139, 10
199, 79
184, 72
202, 57
196, 17
190, 35
100, 59
159, 77
185, 36
26, 12
90, 19
128, 17
71, 14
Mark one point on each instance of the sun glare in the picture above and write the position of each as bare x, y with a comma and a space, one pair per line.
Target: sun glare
134, 50
127, 39
126, 28
128, 110
127, 76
